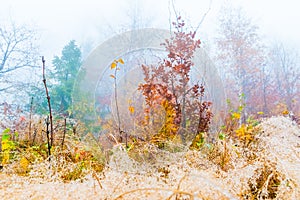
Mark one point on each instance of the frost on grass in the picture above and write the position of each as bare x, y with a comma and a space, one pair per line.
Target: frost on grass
151, 173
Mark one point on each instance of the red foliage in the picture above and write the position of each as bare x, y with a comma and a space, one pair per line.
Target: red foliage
170, 81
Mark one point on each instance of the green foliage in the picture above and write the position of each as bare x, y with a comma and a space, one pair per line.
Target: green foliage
60, 82
198, 141
221, 136
243, 130
63, 77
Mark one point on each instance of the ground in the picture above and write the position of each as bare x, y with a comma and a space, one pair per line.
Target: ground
272, 173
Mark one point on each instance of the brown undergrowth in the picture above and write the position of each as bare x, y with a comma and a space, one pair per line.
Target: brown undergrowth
72, 156
267, 167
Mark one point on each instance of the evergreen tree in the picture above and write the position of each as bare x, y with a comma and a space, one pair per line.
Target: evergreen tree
64, 76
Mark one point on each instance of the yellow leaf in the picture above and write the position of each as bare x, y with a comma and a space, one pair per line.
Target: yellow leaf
113, 65
24, 163
131, 109
236, 115
112, 76
285, 112
260, 113
121, 61
5, 157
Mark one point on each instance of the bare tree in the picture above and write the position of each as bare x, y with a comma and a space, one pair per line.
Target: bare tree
241, 55
18, 50
286, 66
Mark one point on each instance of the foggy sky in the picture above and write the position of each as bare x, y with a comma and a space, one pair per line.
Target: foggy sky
93, 21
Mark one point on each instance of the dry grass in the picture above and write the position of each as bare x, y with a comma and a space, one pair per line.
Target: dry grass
270, 172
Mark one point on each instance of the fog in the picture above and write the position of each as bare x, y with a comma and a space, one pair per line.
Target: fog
90, 22
138, 95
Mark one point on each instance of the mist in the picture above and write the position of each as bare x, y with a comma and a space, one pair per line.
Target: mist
149, 99
94, 21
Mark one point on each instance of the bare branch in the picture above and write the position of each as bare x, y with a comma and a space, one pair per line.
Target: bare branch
174, 9
204, 16
17, 49
17, 67
6, 88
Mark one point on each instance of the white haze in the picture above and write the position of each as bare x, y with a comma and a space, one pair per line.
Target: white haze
90, 22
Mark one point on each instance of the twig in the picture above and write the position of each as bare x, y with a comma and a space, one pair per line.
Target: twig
170, 21
178, 188
174, 9
117, 105
204, 16
49, 104
30, 115
114, 65
48, 139
74, 128
116, 187
156, 189
179, 184
114, 138
94, 175
34, 136
64, 135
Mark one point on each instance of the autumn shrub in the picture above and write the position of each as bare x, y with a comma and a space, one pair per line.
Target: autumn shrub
168, 87
173, 110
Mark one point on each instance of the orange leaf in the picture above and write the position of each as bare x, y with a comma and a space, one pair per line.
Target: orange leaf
121, 61
285, 112
131, 109
113, 65
112, 76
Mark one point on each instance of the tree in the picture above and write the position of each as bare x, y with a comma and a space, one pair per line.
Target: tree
286, 67
63, 77
241, 55
266, 90
17, 50
168, 86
